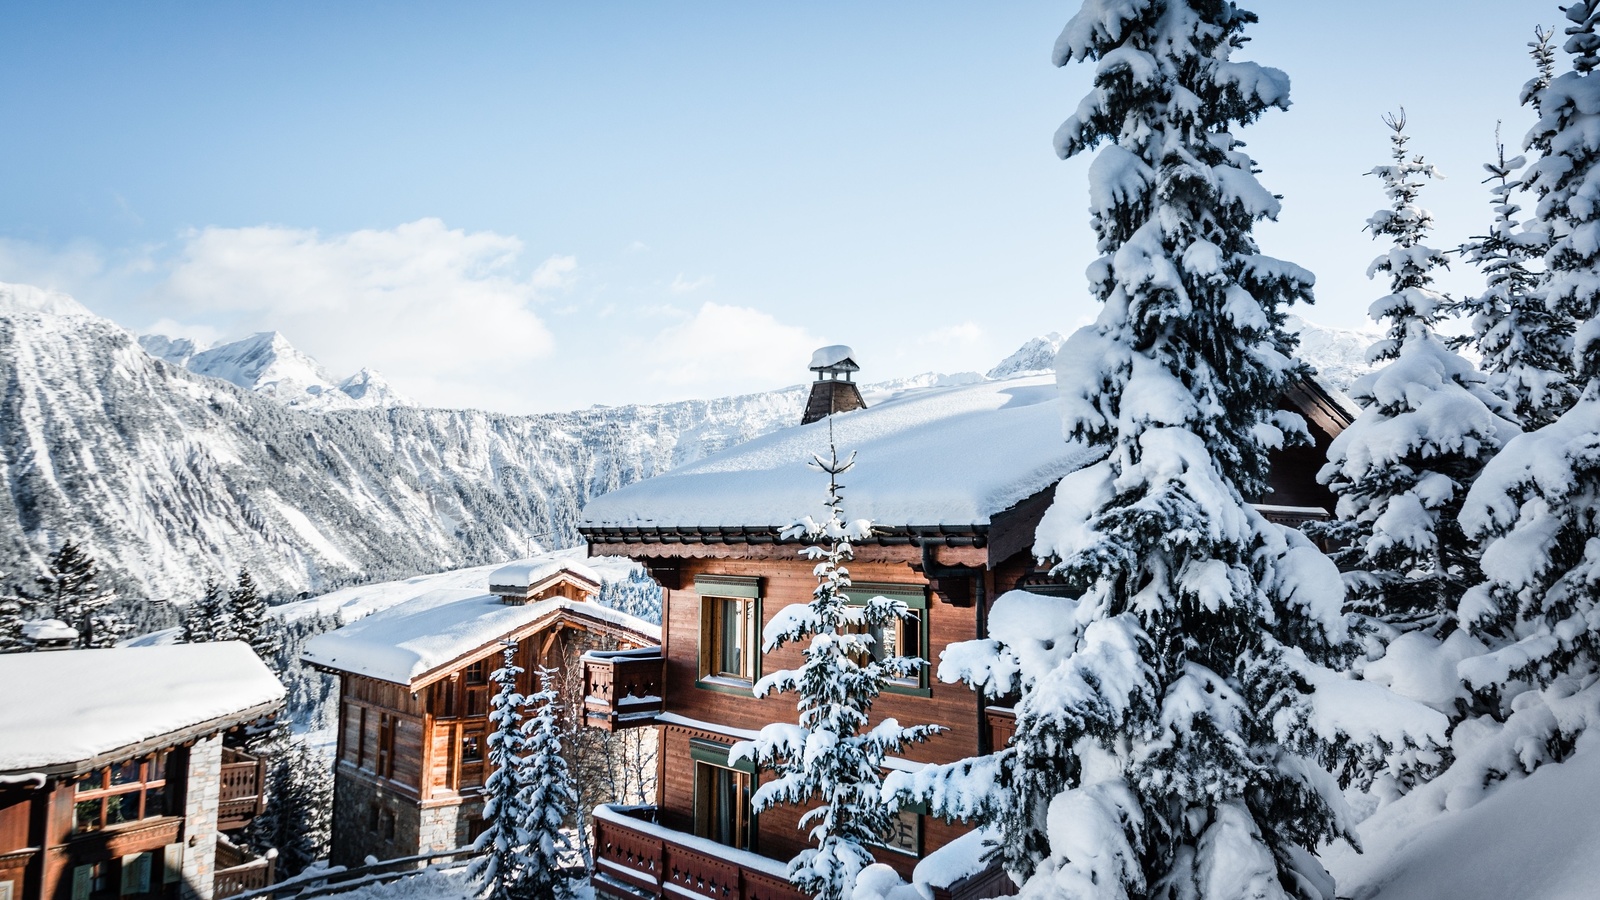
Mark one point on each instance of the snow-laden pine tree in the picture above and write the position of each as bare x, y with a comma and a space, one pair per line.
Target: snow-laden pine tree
248, 615
298, 818
1536, 506
12, 640
1523, 344
1427, 426
832, 760
70, 588
1163, 732
208, 616
546, 795
499, 869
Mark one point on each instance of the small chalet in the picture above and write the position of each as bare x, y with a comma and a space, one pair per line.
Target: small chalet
414, 699
114, 781
955, 481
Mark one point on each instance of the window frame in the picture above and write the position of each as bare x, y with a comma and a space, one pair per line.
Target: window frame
139, 789
715, 593
915, 597
704, 755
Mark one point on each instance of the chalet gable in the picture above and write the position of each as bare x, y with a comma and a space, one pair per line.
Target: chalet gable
438, 634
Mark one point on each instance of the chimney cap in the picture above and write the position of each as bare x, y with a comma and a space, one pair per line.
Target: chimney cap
834, 358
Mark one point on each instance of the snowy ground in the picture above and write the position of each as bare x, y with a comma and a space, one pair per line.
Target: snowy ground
1533, 838
436, 885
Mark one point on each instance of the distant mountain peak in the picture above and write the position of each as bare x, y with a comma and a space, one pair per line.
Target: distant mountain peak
267, 363
1037, 355
25, 298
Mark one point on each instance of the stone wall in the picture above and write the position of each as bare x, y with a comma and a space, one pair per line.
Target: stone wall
365, 814
201, 795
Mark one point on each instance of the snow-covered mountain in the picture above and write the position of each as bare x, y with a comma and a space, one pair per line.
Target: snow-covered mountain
169, 477
1037, 355
268, 364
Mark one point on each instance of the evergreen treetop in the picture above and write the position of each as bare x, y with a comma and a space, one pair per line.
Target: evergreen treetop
832, 758
546, 796
501, 866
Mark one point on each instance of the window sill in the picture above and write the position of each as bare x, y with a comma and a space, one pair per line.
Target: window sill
907, 690
724, 684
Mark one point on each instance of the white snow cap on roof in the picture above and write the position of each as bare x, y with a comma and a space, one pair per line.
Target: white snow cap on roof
831, 356
49, 630
411, 639
939, 456
74, 705
528, 573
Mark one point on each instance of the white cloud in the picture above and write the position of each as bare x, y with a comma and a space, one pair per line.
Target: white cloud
202, 335
724, 350
438, 311
681, 285
555, 273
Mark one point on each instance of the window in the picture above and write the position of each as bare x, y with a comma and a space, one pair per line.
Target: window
471, 748
905, 637
477, 673
730, 631
126, 792
905, 833
722, 796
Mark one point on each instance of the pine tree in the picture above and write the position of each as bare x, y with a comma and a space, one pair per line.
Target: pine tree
500, 869
1524, 343
832, 759
248, 614
298, 817
12, 640
1162, 730
208, 616
70, 589
1427, 427
546, 795
1536, 507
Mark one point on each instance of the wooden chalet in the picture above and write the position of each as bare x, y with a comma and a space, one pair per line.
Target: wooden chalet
956, 481
114, 781
414, 694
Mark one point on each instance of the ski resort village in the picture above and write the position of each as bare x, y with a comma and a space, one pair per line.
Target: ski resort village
839, 452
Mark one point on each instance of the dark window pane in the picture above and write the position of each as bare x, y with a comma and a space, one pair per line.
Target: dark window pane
125, 773
471, 748
86, 816
122, 808
155, 802
158, 768
92, 781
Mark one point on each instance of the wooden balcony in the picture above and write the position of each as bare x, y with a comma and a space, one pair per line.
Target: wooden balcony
636, 859
240, 797
623, 688
238, 871
1002, 722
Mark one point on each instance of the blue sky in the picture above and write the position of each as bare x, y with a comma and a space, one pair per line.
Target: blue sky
533, 207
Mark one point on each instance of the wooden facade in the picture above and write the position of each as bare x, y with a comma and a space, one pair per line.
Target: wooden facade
129, 826
412, 758
700, 705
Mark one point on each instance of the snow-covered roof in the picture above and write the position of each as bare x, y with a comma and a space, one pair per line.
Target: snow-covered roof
832, 355
532, 572
941, 456
71, 709
49, 630
407, 643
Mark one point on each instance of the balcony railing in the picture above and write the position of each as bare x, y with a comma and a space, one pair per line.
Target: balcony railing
238, 871
636, 858
623, 688
240, 798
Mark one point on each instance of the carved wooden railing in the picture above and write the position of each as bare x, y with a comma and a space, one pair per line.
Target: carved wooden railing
240, 798
623, 688
246, 876
646, 861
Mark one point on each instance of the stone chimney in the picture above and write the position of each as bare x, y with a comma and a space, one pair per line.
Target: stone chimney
833, 391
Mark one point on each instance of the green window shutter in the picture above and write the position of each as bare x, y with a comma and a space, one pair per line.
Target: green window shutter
715, 754
746, 587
